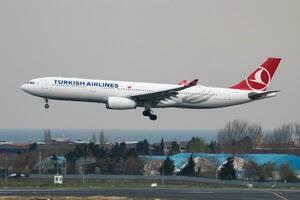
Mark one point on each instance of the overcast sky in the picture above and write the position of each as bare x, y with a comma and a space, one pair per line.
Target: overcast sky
165, 41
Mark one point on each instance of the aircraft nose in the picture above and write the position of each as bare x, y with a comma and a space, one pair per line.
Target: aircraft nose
24, 87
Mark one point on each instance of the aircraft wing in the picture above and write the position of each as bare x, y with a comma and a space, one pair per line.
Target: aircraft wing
163, 94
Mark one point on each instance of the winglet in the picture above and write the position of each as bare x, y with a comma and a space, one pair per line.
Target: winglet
193, 83
183, 82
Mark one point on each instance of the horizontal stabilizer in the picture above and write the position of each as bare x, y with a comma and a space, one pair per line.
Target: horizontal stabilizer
256, 95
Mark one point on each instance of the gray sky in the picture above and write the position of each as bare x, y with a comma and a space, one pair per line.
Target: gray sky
219, 42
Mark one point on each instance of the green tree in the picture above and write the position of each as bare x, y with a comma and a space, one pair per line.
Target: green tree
142, 147
197, 144
146, 146
175, 148
227, 170
213, 147
115, 151
130, 153
167, 167
156, 150
287, 174
122, 148
189, 168
162, 147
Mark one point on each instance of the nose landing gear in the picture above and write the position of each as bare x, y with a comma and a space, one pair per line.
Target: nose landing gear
46, 104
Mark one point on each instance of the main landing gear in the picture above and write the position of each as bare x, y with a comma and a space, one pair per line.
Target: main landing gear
149, 113
46, 104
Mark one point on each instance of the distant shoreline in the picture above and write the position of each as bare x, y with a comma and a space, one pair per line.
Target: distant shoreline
25, 135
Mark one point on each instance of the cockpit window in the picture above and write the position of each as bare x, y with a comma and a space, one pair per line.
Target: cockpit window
31, 82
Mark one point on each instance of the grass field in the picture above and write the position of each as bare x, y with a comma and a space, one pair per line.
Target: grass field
28, 184
15, 183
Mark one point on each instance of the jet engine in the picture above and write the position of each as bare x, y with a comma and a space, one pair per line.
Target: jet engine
120, 103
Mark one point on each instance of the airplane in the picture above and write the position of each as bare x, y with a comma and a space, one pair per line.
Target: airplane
121, 95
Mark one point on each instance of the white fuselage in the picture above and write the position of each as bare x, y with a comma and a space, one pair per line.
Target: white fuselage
88, 90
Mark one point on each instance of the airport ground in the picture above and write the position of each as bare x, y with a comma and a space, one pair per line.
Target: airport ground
150, 193
115, 190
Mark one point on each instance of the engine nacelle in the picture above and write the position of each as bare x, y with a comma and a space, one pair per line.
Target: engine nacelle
120, 103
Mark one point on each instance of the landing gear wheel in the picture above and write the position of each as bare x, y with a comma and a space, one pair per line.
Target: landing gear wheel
146, 113
46, 106
153, 117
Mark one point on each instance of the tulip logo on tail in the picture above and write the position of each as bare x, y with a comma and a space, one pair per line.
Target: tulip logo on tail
259, 80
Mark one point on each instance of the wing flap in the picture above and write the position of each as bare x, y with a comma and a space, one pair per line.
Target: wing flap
163, 94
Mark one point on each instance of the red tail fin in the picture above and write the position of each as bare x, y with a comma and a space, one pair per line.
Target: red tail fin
261, 77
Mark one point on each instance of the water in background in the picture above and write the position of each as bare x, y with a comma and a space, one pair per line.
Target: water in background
24, 135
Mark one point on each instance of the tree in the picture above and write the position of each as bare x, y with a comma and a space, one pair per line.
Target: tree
102, 140
213, 147
197, 144
263, 172
167, 167
162, 147
115, 151
282, 137
146, 146
47, 135
25, 161
251, 170
122, 148
156, 150
175, 148
130, 153
227, 171
33, 146
133, 166
189, 168
142, 147
159, 149
239, 136
93, 139
287, 174
266, 171
199, 171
